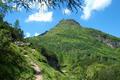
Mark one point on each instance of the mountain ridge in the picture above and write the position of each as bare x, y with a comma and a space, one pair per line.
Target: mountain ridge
82, 53
66, 52
99, 35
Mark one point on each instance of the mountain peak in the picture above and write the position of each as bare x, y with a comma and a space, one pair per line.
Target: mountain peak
78, 52
69, 21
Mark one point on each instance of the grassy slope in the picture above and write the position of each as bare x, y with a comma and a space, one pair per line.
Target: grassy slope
80, 55
66, 52
13, 65
16, 63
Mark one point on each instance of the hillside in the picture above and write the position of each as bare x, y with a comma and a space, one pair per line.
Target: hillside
16, 62
79, 53
66, 52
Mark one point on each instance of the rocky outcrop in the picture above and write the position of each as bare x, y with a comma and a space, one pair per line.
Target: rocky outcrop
19, 43
109, 42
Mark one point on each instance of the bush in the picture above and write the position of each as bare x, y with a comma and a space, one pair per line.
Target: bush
4, 39
109, 73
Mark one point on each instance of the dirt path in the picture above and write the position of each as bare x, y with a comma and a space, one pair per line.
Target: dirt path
38, 75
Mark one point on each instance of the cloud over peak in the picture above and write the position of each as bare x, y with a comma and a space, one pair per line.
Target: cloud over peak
42, 15
94, 5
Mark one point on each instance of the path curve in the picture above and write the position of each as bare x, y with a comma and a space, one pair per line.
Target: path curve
38, 75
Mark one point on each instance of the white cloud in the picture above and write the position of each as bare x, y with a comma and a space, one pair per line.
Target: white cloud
43, 15
66, 11
94, 5
40, 16
27, 35
36, 34
4, 1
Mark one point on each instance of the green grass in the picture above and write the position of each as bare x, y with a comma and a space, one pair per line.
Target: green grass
80, 54
66, 52
13, 65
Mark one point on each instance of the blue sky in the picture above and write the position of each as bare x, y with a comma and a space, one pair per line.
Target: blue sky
103, 15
